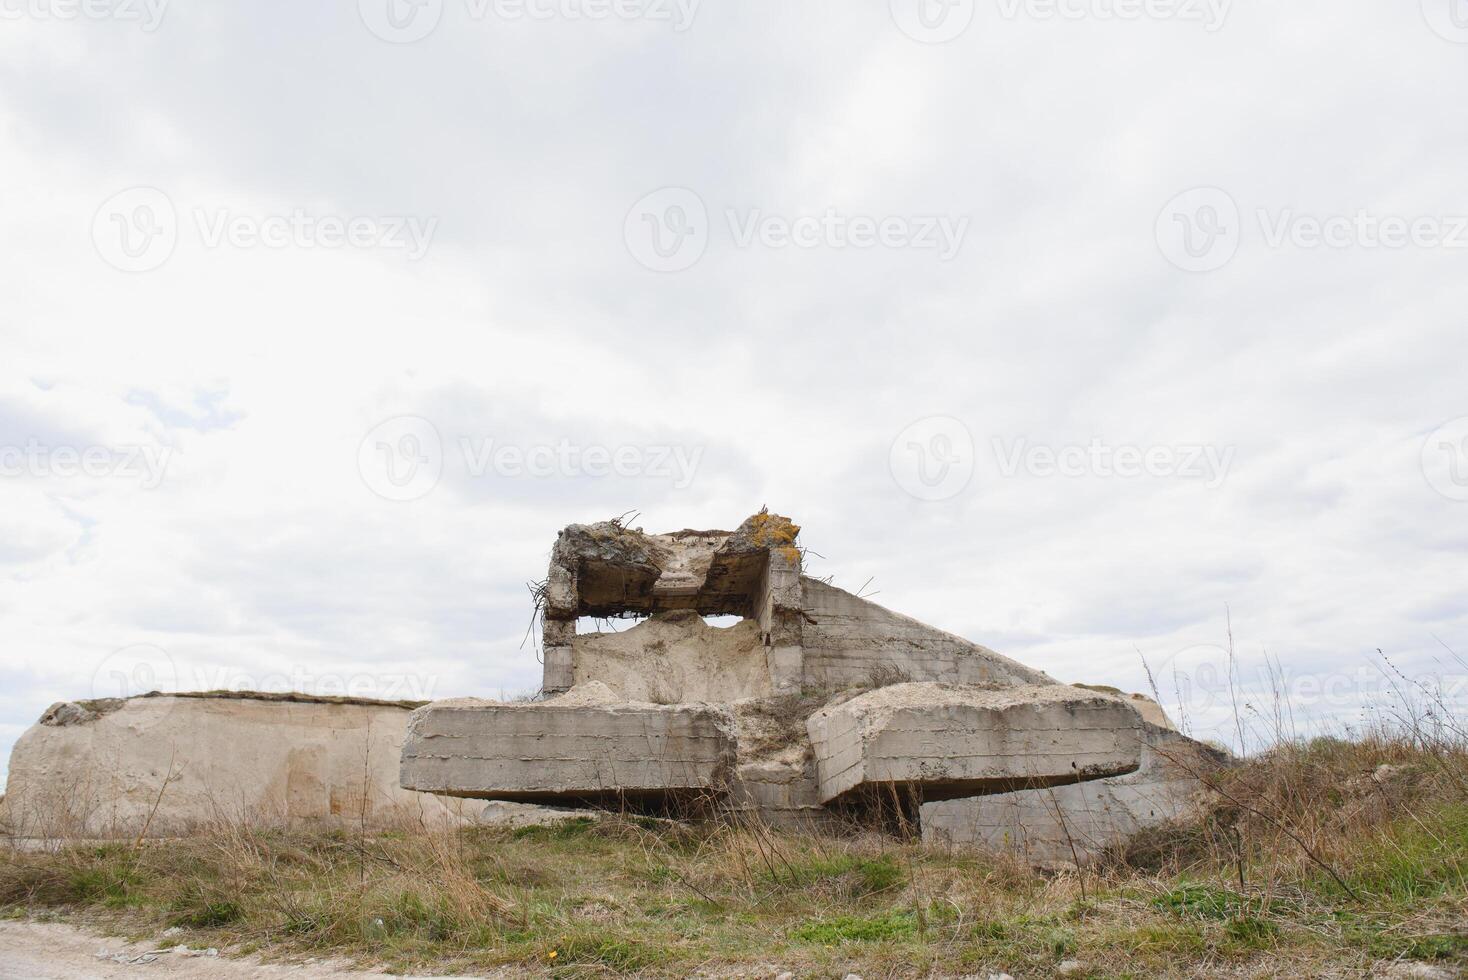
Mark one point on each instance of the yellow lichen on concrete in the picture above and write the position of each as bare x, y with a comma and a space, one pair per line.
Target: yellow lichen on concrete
776, 533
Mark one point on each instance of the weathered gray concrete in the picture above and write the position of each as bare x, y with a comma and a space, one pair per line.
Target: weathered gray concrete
947, 741
847, 640
99, 769
584, 746
1066, 822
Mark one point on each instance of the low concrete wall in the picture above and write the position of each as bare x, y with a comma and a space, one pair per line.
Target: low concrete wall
98, 769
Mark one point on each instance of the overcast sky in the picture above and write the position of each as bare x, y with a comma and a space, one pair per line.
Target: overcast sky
1065, 326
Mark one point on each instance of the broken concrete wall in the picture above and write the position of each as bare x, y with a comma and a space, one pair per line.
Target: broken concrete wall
97, 769
1063, 823
674, 658
847, 640
607, 570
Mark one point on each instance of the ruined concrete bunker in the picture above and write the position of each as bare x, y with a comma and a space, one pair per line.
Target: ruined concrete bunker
817, 706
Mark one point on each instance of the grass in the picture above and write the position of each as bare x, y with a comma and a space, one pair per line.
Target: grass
1385, 878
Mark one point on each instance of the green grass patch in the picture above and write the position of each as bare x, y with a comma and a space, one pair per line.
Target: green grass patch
838, 929
571, 829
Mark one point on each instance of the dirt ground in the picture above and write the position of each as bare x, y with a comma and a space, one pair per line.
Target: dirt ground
52, 951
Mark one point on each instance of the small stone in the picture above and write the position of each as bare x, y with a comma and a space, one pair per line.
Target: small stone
172, 931
1409, 970
1069, 968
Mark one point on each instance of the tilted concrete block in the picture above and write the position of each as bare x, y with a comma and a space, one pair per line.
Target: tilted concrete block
1077, 822
849, 640
582, 747
947, 741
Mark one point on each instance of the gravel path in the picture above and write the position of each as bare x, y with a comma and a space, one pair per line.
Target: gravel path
51, 951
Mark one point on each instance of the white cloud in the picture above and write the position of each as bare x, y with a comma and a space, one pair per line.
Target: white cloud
263, 556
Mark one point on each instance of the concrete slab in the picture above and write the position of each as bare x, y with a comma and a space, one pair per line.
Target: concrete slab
948, 740
584, 747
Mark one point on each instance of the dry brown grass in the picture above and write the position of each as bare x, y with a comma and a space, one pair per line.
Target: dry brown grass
1316, 856
1234, 892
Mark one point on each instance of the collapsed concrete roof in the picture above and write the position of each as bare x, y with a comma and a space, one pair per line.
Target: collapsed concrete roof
607, 569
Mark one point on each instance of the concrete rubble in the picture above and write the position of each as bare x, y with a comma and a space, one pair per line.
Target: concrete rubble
816, 709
